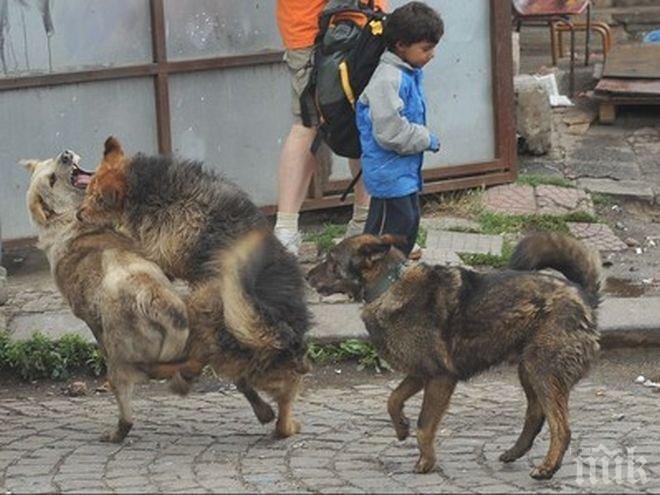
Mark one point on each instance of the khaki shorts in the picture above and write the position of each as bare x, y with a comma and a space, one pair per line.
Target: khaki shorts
300, 68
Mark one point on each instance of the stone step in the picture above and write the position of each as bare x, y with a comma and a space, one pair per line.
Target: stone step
622, 322
633, 189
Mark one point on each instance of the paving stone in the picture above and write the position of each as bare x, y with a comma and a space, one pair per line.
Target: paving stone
449, 223
441, 257
626, 188
597, 236
554, 200
461, 242
510, 199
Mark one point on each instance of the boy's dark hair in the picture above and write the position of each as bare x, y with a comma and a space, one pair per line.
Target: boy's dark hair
412, 23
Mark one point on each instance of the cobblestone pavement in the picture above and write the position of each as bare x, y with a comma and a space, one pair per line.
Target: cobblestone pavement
210, 442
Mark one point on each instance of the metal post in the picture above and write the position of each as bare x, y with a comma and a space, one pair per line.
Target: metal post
588, 35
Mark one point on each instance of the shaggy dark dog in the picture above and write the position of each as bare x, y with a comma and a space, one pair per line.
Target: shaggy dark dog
439, 325
247, 300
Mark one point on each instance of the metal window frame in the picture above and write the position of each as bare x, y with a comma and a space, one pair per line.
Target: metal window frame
500, 170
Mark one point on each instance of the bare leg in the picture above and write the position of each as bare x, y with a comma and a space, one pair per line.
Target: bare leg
262, 410
297, 165
437, 393
406, 389
361, 195
534, 419
123, 390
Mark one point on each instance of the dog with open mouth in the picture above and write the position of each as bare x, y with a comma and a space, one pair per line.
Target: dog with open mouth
439, 325
137, 318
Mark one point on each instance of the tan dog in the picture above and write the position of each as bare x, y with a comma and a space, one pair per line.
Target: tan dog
127, 301
439, 325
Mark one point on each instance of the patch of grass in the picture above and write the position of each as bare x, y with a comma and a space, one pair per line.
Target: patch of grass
543, 180
600, 199
42, 357
348, 350
496, 223
494, 260
324, 239
422, 234
465, 203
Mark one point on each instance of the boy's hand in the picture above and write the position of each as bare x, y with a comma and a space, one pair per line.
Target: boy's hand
434, 146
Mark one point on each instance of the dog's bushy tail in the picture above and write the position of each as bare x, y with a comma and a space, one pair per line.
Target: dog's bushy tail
262, 293
562, 253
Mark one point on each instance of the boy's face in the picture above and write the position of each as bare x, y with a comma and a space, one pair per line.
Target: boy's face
416, 54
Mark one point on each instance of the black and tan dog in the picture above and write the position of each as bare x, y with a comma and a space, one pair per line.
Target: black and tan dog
247, 302
439, 325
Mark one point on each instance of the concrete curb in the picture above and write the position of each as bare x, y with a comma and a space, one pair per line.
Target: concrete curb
623, 322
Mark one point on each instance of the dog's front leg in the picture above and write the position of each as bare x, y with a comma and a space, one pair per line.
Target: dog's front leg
261, 408
123, 390
437, 392
406, 389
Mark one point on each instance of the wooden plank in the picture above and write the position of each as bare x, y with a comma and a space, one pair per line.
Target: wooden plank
629, 86
606, 113
633, 61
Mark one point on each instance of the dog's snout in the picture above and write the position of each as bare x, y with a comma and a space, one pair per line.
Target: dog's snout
67, 157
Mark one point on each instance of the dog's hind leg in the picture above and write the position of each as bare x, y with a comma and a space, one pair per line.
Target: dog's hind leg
261, 408
437, 392
534, 419
123, 390
406, 389
555, 407
286, 424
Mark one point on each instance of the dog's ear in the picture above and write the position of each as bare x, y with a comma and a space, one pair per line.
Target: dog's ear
30, 165
374, 251
112, 146
111, 195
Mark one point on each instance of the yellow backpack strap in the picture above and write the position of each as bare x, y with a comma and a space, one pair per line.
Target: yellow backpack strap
345, 83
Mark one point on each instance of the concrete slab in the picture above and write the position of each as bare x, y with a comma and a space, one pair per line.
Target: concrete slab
630, 321
441, 257
627, 188
512, 199
449, 223
54, 324
554, 200
337, 322
597, 236
461, 242
612, 170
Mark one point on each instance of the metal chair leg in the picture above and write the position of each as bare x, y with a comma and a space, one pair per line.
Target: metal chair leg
572, 72
588, 35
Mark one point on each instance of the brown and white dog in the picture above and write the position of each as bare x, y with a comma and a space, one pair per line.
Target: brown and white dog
137, 318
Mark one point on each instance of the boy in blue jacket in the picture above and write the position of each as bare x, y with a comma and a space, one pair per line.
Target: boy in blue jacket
391, 118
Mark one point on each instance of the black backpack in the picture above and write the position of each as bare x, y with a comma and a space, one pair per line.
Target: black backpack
347, 51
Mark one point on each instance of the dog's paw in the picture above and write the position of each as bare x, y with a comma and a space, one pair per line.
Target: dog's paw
112, 436
542, 473
284, 430
509, 456
402, 428
424, 464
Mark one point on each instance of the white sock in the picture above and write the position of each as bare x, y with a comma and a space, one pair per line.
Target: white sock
360, 213
287, 221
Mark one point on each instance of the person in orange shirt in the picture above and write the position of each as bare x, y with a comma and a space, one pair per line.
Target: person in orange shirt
297, 21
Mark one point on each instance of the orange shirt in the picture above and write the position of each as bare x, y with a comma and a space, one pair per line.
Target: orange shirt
298, 21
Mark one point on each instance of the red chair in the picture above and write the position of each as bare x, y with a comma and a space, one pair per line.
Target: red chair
551, 12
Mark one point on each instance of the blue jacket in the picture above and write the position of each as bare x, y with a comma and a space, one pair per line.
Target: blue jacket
391, 118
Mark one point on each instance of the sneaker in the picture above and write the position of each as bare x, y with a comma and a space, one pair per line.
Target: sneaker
416, 252
354, 227
290, 239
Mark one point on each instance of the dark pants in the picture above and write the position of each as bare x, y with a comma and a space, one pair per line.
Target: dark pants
398, 216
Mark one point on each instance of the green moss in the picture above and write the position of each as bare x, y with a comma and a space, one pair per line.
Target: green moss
543, 180
349, 350
324, 239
